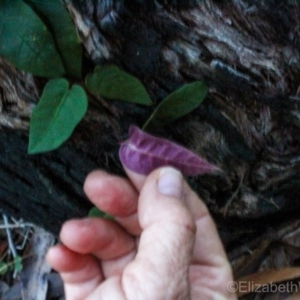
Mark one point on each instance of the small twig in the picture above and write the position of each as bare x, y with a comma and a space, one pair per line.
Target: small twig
21, 222
11, 245
25, 239
14, 226
229, 201
9, 237
271, 200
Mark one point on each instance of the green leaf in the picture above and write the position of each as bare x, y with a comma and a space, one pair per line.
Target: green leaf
26, 42
18, 263
112, 83
55, 117
4, 267
178, 104
95, 212
58, 20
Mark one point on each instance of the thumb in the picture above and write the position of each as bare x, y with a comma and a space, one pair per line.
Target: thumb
160, 269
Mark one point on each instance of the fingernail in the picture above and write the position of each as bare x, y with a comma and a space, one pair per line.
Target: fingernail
170, 182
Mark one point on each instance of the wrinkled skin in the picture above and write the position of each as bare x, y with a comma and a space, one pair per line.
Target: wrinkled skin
163, 244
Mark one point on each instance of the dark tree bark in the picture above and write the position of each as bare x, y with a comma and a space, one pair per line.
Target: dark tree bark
247, 52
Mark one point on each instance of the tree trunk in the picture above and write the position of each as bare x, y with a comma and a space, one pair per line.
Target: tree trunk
246, 51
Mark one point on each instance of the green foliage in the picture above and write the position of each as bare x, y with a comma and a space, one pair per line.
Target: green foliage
26, 42
38, 36
16, 264
58, 112
57, 19
178, 104
112, 83
95, 212
4, 267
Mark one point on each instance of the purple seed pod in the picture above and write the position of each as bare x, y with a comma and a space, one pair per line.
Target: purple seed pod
142, 153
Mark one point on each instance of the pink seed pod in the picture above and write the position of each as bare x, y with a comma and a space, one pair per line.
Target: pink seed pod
142, 153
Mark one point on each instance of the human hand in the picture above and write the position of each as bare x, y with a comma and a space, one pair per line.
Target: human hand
163, 244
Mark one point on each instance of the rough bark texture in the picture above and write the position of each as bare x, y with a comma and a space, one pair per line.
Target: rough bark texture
247, 52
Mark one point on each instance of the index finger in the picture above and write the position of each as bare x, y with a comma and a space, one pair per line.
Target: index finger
116, 196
